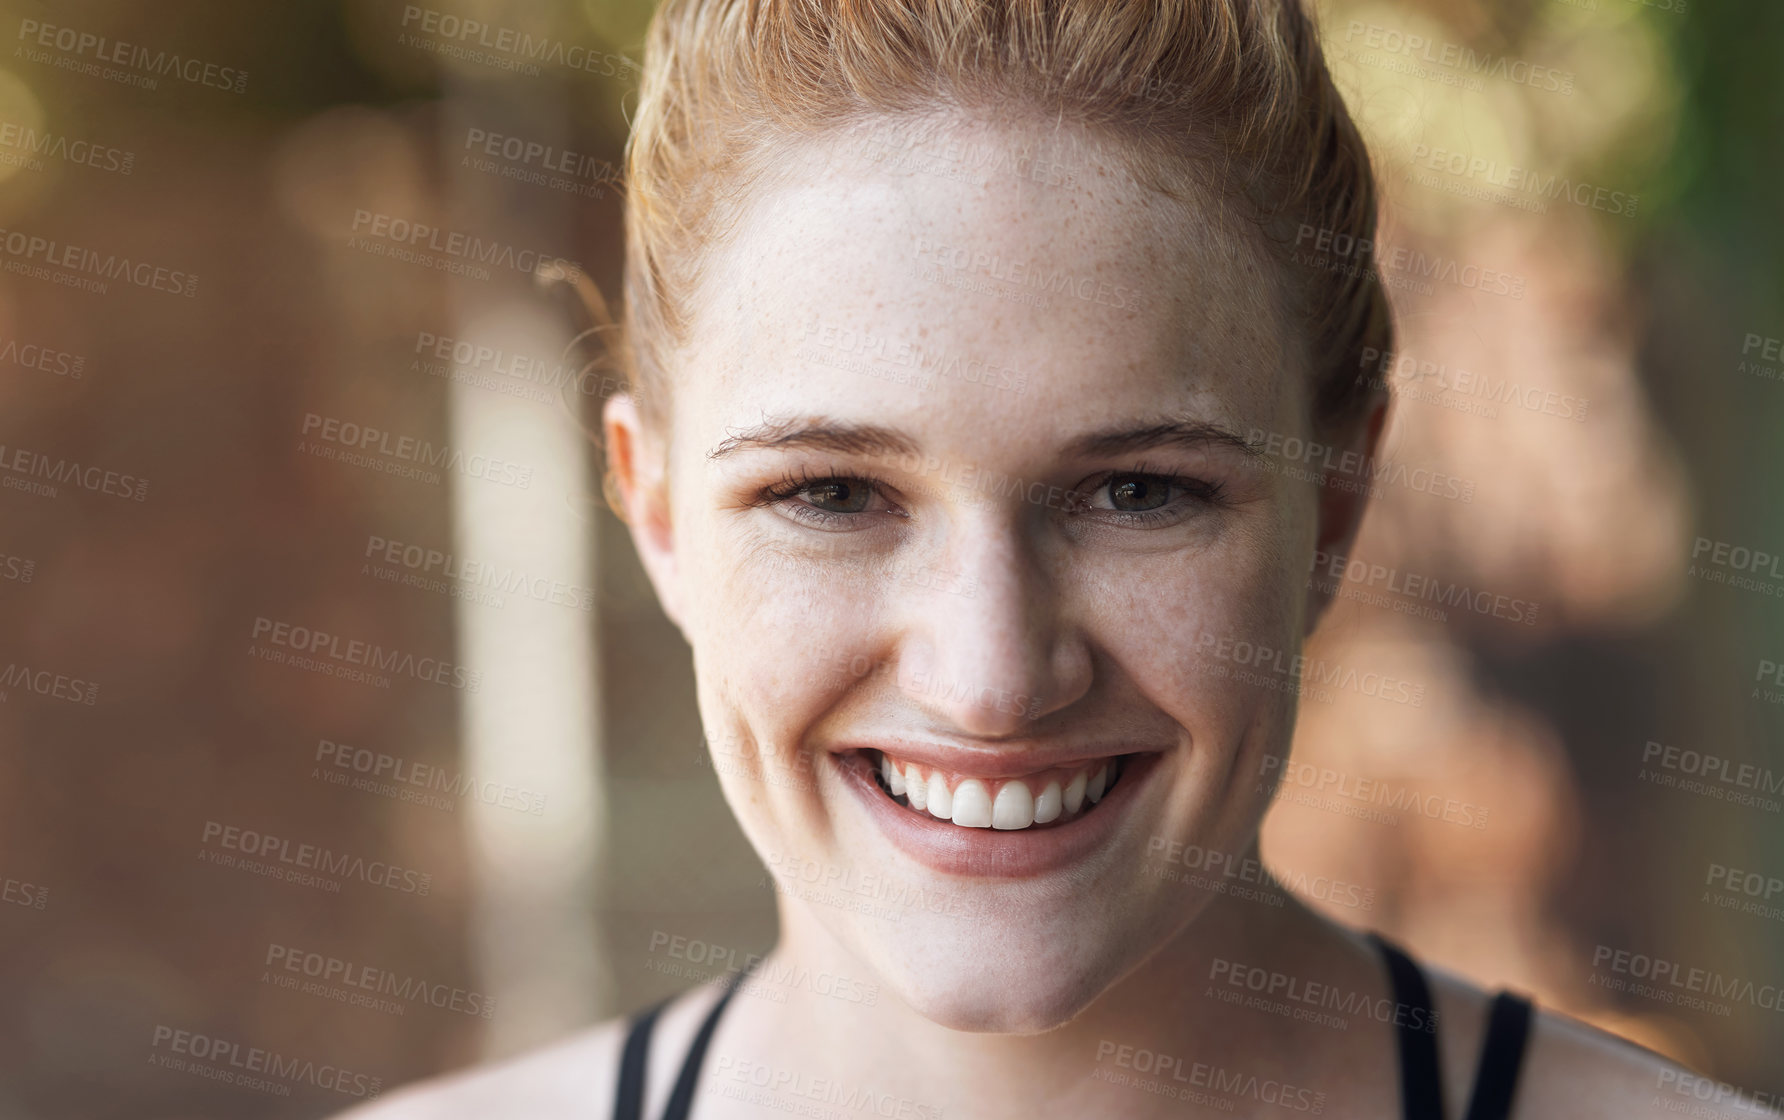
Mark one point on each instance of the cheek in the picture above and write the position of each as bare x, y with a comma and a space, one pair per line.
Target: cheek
1182, 626
776, 640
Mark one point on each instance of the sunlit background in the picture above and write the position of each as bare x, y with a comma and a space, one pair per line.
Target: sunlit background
1585, 244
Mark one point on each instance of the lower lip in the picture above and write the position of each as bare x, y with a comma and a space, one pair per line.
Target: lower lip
991, 853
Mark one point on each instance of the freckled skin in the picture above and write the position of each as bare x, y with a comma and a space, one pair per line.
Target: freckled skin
1100, 621
993, 996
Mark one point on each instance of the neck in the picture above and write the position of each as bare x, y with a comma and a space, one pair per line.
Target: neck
1165, 1022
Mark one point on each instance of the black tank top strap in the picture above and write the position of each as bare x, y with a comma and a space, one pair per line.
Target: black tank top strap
1501, 1058
1421, 1078
634, 1063
681, 1098
634, 1060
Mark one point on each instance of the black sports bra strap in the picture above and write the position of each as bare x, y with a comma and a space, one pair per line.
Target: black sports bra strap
628, 1101
682, 1098
1421, 1079
1501, 1057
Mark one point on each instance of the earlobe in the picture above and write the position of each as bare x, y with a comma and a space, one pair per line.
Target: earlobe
636, 482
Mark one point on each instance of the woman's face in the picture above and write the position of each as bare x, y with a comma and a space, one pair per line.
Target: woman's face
958, 484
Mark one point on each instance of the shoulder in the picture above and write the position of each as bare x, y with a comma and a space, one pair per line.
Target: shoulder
575, 1077
1575, 1070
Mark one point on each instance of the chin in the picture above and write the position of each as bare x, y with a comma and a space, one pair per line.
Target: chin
1002, 1000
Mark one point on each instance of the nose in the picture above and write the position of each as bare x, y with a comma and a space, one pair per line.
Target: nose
999, 645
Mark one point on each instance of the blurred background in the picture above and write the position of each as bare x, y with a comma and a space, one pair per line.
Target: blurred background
338, 723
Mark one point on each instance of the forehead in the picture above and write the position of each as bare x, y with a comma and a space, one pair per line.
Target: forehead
1025, 247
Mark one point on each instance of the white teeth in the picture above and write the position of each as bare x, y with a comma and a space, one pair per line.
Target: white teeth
941, 802
1074, 793
972, 804
1014, 807
916, 790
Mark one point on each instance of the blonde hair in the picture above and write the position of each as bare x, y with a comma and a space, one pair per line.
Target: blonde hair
1234, 92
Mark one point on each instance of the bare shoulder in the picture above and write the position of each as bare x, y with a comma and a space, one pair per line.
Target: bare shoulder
1574, 1070
574, 1077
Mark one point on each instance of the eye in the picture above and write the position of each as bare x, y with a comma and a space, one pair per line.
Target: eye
830, 502
839, 495
1136, 493
1145, 499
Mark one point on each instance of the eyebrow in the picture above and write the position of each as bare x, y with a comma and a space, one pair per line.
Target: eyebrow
1182, 433
819, 433
840, 438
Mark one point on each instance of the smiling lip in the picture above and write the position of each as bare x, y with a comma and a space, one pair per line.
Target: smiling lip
986, 852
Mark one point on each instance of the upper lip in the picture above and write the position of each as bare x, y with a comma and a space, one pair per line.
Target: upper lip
1005, 759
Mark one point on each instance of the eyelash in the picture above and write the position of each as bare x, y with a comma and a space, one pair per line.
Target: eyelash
1207, 493
793, 484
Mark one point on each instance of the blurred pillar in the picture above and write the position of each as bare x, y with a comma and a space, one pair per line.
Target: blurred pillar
534, 722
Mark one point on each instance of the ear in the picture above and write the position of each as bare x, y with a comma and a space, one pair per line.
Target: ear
637, 465
1343, 499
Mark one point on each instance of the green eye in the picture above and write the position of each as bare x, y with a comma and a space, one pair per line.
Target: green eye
838, 495
1137, 493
